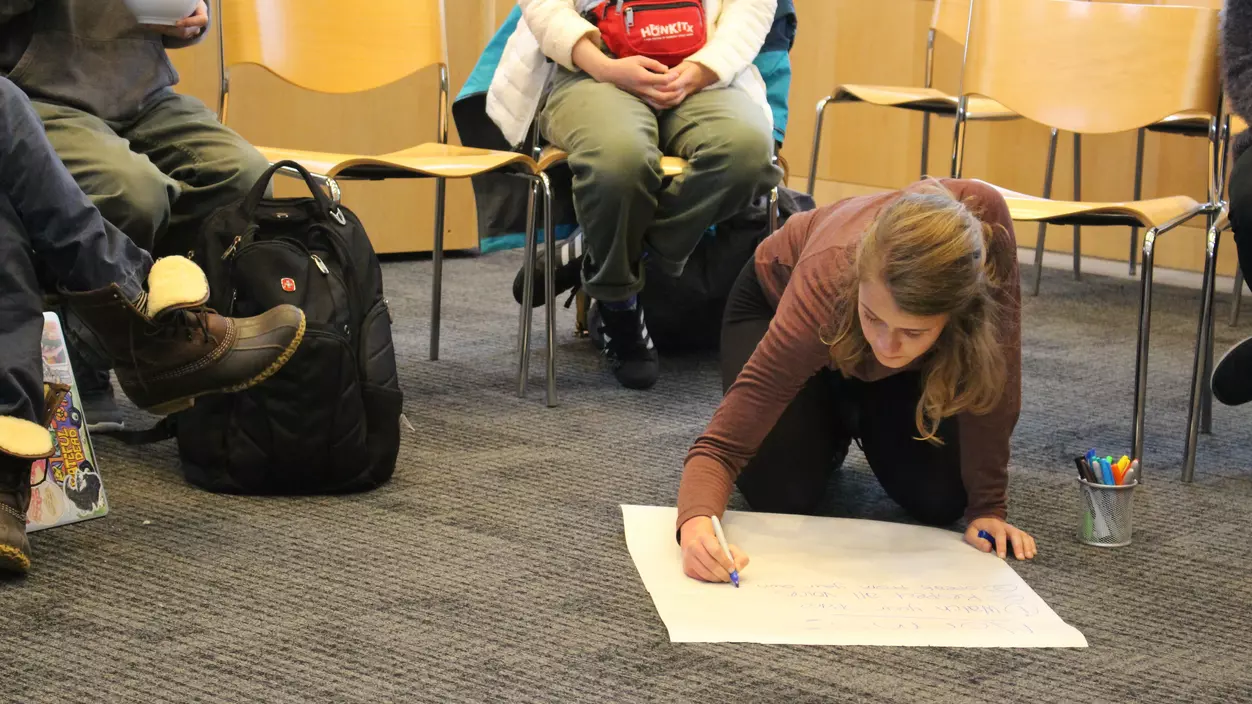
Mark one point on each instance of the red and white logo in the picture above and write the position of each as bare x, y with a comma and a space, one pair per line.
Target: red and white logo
289, 285
667, 31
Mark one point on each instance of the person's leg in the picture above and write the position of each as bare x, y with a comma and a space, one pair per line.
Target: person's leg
1232, 375
212, 165
127, 188
135, 197
790, 471
923, 478
21, 386
612, 138
169, 348
727, 140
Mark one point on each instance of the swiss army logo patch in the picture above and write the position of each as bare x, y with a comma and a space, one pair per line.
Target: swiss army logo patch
289, 285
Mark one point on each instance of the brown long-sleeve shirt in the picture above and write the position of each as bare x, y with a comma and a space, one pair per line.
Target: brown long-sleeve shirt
797, 268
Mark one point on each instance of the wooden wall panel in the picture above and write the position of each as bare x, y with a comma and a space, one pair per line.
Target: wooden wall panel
867, 148
399, 215
864, 148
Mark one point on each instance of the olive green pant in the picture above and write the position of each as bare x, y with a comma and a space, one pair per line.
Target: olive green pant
158, 176
627, 211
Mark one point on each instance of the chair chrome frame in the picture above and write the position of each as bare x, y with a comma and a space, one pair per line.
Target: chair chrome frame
1210, 209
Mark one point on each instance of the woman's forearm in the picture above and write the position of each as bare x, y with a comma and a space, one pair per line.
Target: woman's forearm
588, 57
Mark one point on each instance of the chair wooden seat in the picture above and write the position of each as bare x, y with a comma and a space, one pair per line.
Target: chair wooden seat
671, 166
930, 100
423, 160
1147, 213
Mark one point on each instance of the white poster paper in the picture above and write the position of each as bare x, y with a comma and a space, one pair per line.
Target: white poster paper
839, 581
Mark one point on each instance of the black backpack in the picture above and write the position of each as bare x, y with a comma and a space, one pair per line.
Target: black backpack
328, 421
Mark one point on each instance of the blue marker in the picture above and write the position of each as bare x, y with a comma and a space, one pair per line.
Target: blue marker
721, 539
989, 538
1106, 473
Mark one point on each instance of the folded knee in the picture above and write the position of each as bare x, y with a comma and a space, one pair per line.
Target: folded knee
937, 513
741, 151
621, 165
136, 200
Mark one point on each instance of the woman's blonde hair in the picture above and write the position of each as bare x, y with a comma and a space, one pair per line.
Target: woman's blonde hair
930, 252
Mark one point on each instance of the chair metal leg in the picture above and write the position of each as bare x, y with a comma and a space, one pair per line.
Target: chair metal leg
773, 210
436, 294
1237, 296
526, 313
1206, 397
925, 144
1141, 352
549, 285
1043, 226
1204, 337
958, 136
1077, 197
1138, 195
817, 141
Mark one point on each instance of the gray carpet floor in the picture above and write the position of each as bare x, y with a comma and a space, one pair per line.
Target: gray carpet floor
493, 567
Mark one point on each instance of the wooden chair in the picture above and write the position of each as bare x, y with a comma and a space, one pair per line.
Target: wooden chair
950, 20
330, 46
1097, 68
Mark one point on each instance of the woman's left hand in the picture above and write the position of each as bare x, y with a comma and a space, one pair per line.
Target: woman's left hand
684, 80
1023, 544
188, 27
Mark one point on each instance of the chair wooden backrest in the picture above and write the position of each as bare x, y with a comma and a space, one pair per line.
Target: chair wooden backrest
950, 19
334, 46
1093, 68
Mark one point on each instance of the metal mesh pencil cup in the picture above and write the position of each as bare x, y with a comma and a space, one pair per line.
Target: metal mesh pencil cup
1105, 513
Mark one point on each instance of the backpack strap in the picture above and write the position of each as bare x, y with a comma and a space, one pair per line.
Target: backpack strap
165, 429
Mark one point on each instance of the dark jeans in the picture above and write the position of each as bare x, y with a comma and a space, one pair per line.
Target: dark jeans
1241, 209
44, 216
793, 466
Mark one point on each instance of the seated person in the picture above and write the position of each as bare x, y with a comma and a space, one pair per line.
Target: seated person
891, 319
154, 162
1232, 377
168, 348
617, 117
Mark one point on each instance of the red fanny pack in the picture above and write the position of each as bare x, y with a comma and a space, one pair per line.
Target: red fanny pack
666, 30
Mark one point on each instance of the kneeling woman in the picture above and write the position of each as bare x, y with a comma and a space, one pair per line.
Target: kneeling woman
891, 319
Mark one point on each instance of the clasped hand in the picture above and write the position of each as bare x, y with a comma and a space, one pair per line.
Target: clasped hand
657, 85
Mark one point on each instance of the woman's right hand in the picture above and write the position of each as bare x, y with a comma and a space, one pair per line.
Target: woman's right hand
703, 557
637, 75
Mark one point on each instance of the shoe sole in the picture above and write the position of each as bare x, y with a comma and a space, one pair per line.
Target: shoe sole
13, 560
185, 402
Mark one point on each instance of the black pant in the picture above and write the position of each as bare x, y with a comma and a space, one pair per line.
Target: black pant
44, 215
793, 466
1241, 209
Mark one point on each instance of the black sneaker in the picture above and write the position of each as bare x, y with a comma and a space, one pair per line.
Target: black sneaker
569, 263
95, 394
91, 377
1232, 376
629, 348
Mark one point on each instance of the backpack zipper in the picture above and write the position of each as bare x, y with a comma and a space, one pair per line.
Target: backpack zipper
321, 266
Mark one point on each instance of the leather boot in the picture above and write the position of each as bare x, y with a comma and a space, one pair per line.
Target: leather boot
169, 349
21, 443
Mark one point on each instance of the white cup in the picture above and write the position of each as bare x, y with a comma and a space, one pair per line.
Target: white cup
165, 12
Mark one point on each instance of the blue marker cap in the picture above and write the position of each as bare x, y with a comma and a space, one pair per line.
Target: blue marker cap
1106, 473
989, 538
